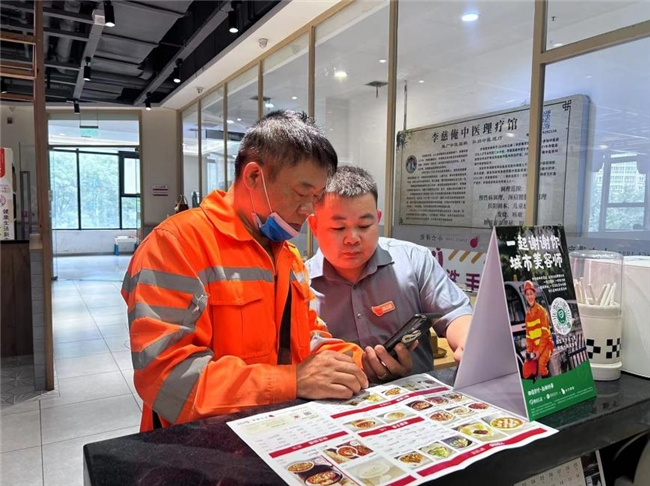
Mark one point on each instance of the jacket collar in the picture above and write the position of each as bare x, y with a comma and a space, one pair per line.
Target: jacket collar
224, 217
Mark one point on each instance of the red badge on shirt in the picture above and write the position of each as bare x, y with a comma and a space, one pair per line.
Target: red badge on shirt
382, 309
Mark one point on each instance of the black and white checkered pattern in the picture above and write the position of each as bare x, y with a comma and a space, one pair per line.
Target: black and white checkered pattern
611, 350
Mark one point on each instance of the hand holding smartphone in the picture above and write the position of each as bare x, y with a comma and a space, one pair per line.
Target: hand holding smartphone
409, 332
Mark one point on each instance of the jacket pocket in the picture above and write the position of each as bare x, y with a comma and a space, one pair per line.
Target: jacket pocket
242, 323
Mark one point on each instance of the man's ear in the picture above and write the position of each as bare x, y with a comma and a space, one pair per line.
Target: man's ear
252, 175
313, 224
378, 216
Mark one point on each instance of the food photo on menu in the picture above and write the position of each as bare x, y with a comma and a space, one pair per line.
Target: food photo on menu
347, 451
376, 471
316, 471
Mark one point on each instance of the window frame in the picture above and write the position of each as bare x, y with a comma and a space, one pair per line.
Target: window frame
121, 156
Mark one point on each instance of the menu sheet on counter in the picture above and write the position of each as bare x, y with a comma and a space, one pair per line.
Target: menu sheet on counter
409, 431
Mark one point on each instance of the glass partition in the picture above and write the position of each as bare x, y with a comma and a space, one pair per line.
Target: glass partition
607, 195
286, 83
570, 21
242, 113
191, 151
351, 85
213, 157
462, 111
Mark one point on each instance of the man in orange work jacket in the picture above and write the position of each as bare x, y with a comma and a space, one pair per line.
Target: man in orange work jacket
539, 341
209, 289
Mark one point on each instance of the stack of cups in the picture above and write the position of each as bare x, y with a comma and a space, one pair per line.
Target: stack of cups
597, 277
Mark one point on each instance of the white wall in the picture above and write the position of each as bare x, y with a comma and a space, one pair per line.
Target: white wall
80, 242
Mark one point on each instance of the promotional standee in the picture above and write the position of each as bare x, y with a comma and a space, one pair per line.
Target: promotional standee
526, 351
6, 195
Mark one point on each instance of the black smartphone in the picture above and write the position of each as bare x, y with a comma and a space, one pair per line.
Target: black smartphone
409, 332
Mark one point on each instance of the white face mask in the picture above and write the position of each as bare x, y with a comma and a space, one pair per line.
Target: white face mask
274, 228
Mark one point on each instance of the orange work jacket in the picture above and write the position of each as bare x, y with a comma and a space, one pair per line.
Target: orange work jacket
538, 330
205, 305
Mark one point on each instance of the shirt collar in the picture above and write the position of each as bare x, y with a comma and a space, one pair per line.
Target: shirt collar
319, 267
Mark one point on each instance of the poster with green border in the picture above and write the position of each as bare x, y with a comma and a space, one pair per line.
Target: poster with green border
525, 350
546, 330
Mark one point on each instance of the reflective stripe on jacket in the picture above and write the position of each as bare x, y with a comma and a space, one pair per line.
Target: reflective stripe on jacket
205, 305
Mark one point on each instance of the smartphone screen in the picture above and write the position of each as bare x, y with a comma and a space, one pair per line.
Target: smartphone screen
409, 332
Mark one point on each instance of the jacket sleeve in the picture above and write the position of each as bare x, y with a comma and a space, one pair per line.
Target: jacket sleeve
322, 340
175, 370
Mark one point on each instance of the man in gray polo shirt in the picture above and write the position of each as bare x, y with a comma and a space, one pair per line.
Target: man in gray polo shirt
368, 287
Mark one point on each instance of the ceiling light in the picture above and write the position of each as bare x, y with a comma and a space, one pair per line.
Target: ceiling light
268, 104
340, 74
382, 61
177, 71
229, 122
147, 102
4, 87
87, 71
232, 22
469, 17
510, 134
603, 147
77, 110
238, 119
109, 15
558, 44
294, 98
421, 81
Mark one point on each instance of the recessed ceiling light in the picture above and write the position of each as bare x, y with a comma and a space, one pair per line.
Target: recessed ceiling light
603, 147
229, 121
421, 81
238, 119
558, 44
340, 74
469, 17
382, 61
294, 97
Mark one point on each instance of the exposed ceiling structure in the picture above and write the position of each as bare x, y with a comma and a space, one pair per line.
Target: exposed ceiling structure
122, 52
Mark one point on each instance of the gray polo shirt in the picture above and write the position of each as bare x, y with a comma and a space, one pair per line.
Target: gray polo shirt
403, 276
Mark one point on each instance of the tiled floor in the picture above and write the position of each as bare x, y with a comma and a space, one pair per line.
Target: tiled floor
42, 434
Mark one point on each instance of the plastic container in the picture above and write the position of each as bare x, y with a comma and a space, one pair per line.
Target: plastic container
598, 282
636, 315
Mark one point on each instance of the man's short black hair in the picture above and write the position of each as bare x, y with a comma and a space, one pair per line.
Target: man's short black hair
349, 181
285, 138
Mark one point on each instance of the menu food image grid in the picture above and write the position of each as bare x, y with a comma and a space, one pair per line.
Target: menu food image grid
407, 432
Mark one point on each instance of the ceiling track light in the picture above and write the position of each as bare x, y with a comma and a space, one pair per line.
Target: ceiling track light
87, 70
77, 109
177, 71
109, 14
147, 102
232, 21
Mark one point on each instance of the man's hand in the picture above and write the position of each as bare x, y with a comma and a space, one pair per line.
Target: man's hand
380, 366
329, 375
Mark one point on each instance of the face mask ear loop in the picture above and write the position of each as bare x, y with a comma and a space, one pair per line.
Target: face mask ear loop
265, 191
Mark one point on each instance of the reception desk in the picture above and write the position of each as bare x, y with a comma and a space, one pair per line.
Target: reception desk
208, 452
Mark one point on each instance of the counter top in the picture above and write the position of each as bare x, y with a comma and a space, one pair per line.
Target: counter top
209, 452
